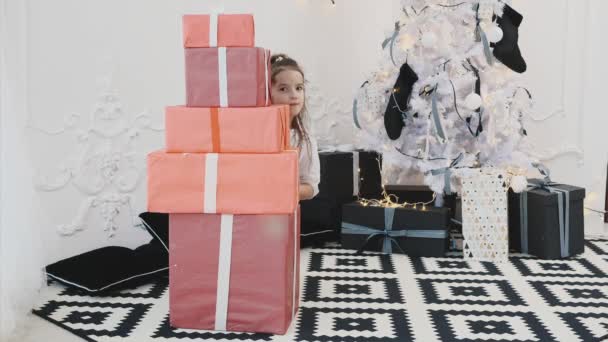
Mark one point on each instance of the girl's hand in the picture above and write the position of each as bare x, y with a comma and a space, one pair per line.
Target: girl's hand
306, 192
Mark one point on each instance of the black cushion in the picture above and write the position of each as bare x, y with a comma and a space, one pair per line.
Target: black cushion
111, 268
157, 224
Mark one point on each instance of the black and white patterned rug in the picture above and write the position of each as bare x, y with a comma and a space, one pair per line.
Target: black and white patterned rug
348, 297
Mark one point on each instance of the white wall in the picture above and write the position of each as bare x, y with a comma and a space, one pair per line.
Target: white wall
564, 44
78, 50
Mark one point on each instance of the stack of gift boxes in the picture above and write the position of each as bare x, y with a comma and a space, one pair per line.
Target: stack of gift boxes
229, 181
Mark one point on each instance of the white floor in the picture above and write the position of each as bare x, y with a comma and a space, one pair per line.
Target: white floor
38, 329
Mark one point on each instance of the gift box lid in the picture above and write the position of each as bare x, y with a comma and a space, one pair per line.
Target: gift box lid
416, 191
231, 30
431, 218
334, 153
550, 198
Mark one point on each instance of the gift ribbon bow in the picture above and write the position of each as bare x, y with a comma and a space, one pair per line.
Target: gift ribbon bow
388, 234
447, 173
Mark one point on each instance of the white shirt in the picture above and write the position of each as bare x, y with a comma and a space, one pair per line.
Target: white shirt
309, 166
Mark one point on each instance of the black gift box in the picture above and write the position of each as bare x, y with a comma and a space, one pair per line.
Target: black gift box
320, 222
370, 174
337, 178
433, 220
321, 216
544, 236
418, 194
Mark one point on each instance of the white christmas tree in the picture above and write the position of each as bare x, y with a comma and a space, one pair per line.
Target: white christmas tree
445, 98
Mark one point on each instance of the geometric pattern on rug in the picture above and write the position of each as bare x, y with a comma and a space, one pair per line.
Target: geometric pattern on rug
456, 291
600, 247
374, 297
353, 325
588, 326
573, 294
351, 263
575, 267
94, 318
350, 289
454, 266
459, 325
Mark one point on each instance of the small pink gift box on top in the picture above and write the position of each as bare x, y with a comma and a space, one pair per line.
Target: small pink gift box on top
213, 30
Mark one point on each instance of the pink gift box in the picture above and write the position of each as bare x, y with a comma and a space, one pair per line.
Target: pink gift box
226, 183
204, 30
227, 130
234, 272
227, 77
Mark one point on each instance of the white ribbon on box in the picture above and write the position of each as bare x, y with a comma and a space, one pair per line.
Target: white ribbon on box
223, 274
210, 181
223, 77
213, 29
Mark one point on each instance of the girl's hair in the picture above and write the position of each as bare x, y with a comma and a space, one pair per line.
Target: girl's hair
279, 63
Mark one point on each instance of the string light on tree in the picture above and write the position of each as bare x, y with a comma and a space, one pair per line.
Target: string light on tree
450, 76
406, 42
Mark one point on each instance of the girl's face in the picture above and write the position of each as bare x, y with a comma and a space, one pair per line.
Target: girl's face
288, 88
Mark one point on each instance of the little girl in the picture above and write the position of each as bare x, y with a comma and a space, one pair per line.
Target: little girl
287, 87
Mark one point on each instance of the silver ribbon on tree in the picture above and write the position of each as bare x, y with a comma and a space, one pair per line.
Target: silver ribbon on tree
436, 118
388, 234
355, 107
391, 40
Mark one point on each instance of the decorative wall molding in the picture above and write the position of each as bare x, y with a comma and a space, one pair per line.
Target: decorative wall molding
103, 166
330, 118
561, 108
569, 56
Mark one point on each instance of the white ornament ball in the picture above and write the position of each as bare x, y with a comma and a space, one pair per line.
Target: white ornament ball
429, 39
519, 183
494, 34
473, 101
